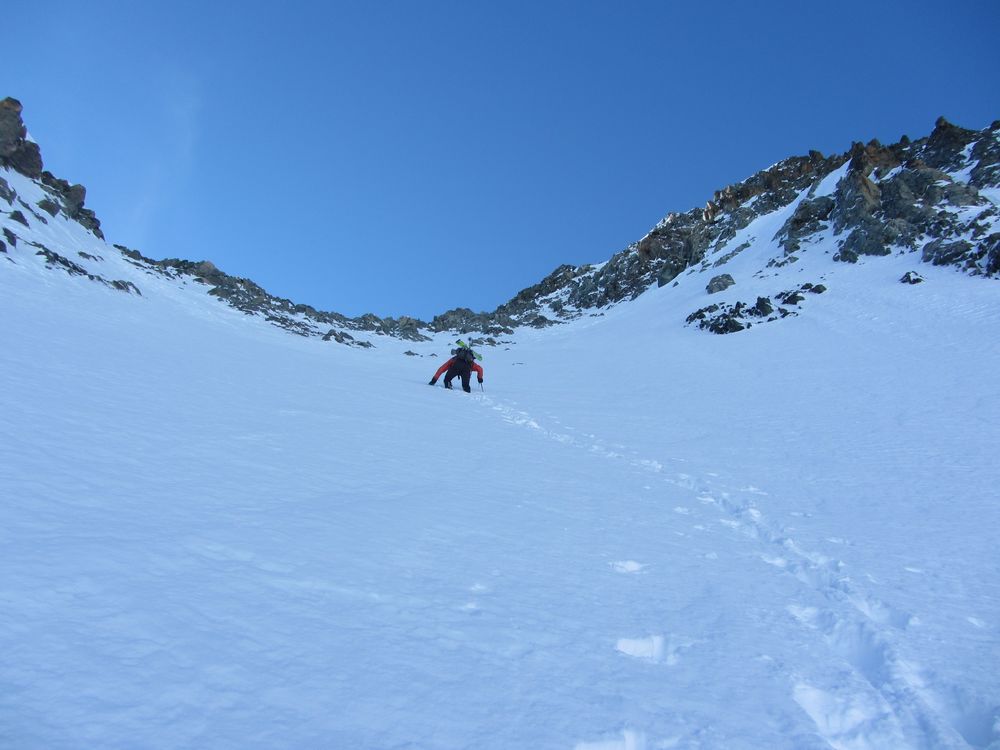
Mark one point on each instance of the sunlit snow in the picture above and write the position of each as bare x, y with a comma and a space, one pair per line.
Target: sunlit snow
216, 534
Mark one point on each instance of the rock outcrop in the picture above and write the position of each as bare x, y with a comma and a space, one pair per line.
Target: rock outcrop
23, 155
16, 150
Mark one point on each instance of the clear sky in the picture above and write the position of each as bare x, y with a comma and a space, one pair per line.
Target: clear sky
405, 158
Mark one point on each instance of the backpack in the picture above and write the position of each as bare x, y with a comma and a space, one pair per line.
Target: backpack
465, 352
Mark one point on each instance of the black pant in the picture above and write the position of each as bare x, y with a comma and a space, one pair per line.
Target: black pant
459, 369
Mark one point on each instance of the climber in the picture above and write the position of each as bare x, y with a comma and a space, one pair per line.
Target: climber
462, 363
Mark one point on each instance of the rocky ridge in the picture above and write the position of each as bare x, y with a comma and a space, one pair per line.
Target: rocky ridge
935, 197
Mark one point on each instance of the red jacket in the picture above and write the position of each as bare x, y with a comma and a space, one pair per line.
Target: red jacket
444, 368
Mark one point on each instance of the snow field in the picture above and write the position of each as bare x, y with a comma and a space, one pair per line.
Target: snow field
217, 534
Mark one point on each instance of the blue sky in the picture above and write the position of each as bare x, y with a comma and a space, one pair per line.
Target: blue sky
405, 158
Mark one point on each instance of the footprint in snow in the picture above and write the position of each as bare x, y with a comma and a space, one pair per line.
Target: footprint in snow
655, 648
778, 562
628, 566
626, 740
849, 720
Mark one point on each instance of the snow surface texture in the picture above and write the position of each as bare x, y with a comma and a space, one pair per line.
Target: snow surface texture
217, 534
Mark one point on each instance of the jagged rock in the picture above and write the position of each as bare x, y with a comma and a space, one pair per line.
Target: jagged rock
719, 283
942, 253
702, 313
3, 247
15, 149
946, 144
911, 277
729, 256
49, 206
763, 307
339, 336
12, 130
11, 237
726, 324
856, 197
27, 160
807, 219
986, 154
126, 286
868, 238
18, 217
6, 192
75, 197
992, 245
817, 289
846, 256
676, 244
717, 319
72, 198
25, 157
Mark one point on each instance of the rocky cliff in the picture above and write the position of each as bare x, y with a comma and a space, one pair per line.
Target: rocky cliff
936, 197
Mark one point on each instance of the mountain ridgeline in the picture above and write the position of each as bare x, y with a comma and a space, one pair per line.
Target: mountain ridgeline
936, 198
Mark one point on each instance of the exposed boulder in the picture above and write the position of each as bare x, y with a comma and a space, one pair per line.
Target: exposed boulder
49, 206
720, 283
763, 307
911, 277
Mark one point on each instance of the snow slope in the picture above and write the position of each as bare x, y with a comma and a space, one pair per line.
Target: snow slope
217, 534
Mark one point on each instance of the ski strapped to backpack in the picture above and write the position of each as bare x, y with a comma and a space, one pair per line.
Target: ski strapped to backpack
465, 352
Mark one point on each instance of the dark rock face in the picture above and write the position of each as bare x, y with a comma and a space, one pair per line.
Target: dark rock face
945, 145
49, 206
15, 150
725, 318
809, 218
911, 277
899, 198
71, 197
25, 157
762, 308
719, 283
